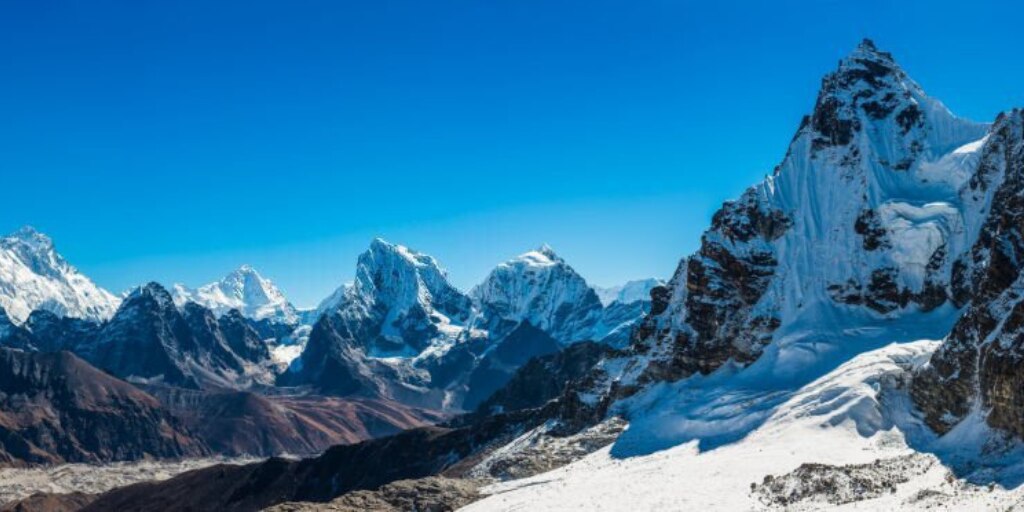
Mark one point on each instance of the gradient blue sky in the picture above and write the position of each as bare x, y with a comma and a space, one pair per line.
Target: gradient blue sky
173, 141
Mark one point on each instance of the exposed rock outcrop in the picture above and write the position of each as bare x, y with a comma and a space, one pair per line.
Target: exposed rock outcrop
57, 408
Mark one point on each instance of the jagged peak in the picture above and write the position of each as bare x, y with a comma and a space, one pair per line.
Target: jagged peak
152, 290
30, 237
870, 88
543, 256
246, 269
379, 246
244, 277
421, 275
867, 51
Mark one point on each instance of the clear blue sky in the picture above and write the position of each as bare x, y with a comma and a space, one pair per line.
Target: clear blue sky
173, 141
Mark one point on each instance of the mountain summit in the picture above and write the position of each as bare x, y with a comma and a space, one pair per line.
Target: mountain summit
243, 289
34, 276
539, 287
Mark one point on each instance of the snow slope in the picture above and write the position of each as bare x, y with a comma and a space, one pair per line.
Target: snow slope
34, 276
243, 289
858, 413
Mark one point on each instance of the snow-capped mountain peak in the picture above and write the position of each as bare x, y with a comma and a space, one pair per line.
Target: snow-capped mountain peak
864, 217
243, 289
399, 277
543, 256
541, 288
34, 276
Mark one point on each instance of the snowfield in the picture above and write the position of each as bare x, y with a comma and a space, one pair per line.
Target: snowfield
745, 443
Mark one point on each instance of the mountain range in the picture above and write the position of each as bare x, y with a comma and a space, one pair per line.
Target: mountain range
401, 331
846, 334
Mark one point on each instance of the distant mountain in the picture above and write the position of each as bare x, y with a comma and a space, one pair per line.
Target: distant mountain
245, 290
34, 276
150, 340
628, 292
399, 314
624, 307
57, 408
787, 356
401, 331
244, 423
541, 288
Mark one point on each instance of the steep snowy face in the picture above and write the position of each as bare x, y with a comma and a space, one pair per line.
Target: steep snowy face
33, 276
979, 365
409, 295
625, 306
245, 290
541, 288
862, 220
630, 291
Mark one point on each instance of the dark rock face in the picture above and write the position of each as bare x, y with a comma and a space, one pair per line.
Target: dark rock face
413, 454
56, 408
500, 363
240, 423
335, 361
150, 340
545, 378
53, 333
981, 360
70, 502
722, 285
869, 227
15, 336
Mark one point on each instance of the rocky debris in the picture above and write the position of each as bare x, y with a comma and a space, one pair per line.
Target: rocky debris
17, 484
538, 451
48, 502
57, 408
836, 485
422, 452
431, 494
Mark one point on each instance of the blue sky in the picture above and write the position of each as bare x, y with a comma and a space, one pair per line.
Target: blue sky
173, 141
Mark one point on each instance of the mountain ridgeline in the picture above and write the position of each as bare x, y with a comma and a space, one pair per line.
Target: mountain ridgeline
398, 347
889, 219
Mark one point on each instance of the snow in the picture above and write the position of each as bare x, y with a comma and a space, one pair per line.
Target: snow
630, 291
243, 289
541, 288
857, 413
284, 355
34, 276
